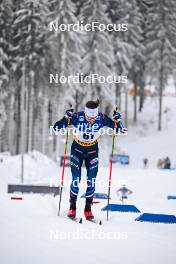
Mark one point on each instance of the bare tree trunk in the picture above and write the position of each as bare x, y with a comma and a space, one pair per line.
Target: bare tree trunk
44, 122
76, 100
31, 95
126, 106
22, 122
118, 96
22, 110
161, 81
135, 101
27, 116
58, 137
34, 118
11, 124
160, 101
141, 97
18, 120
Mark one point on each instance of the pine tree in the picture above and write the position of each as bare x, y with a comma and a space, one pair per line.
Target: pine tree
30, 48
66, 44
161, 46
99, 56
128, 45
5, 63
143, 7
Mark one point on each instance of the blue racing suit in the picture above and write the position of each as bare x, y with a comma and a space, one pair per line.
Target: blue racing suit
85, 147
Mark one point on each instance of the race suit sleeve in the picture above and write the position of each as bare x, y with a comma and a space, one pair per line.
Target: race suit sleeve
110, 123
63, 123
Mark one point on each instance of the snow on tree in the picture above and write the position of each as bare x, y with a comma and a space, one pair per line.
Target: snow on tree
5, 22
29, 52
4, 42
161, 46
128, 45
99, 56
29, 48
67, 46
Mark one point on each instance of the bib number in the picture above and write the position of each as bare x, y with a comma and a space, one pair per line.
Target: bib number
88, 136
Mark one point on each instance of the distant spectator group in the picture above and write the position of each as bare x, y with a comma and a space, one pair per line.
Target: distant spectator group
164, 163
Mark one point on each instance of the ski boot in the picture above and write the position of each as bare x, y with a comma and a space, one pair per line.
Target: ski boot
87, 211
72, 209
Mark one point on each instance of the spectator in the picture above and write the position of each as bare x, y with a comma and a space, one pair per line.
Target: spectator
167, 163
160, 164
145, 163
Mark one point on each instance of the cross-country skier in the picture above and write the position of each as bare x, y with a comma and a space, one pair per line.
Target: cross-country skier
87, 125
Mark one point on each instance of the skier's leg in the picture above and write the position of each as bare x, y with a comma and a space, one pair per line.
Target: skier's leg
91, 163
76, 163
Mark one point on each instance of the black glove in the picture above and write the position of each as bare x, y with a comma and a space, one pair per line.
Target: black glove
116, 116
69, 113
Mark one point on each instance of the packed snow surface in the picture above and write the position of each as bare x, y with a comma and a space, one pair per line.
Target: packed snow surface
31, 231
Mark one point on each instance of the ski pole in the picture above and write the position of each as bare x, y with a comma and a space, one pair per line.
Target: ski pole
63, 166
110, 171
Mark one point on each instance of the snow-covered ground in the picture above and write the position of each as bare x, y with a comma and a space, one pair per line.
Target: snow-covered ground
31, 231
143, 139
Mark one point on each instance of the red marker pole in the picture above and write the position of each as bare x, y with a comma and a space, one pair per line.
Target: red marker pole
110, 169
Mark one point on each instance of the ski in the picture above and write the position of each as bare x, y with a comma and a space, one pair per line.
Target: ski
75, 219
80, 220
95, 221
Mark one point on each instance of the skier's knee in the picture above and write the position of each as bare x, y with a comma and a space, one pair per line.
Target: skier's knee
93, 166
74, 163
74, 189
